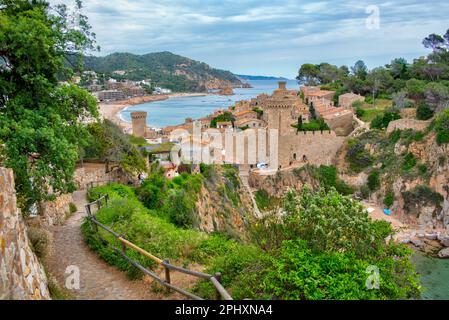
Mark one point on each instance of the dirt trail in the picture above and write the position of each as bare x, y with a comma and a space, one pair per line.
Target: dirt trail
98, 280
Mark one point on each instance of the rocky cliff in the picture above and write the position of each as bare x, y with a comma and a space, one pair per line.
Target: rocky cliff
224, 203
22, 277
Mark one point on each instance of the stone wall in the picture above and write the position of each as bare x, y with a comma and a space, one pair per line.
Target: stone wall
54, 212
404, 124
84, 176
22, 277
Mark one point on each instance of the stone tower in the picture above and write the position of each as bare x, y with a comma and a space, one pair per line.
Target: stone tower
139, 121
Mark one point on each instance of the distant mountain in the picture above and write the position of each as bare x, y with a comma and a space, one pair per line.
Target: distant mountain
165, 69
249, 78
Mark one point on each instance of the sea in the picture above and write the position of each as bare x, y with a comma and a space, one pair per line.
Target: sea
434, 272
174, 111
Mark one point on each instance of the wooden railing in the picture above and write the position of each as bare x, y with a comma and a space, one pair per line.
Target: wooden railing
215, 279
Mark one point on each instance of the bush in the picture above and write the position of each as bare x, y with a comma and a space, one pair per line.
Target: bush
442, 160
382, 121
422, 168
72, 208
441, 127
408, 161
357, 156
389, 199
421, 195
374, 180
364, 192
423, 112
40, 240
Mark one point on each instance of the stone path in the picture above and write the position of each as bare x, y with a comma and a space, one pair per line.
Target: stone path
98, 280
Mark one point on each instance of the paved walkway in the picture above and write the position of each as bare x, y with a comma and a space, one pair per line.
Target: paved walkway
98, 280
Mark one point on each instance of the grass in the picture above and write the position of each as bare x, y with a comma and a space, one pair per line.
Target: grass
371, 112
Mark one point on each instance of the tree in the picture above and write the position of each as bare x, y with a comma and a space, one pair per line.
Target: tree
308, 74
378, 79
437, 96
434, 42
41, 121
299, 127
400, 99
328, 73
108, 143
360, 70
399, 68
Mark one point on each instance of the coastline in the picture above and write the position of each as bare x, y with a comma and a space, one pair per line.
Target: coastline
111, 110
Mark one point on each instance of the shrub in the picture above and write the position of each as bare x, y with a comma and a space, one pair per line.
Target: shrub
442, 160
422, 168
395, 136
441, 127
421, 195
262, 199
382, 121
72, 208
374, 180
40, 240
389, 199
357, 156
423, 112
408, 161
364, 192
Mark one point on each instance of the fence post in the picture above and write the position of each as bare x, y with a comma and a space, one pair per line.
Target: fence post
123, 245
107, 198
218, 277
167, 273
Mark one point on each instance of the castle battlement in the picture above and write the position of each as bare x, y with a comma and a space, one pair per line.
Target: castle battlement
139, 115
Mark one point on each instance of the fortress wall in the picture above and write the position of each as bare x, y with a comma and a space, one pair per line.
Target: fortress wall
318, 147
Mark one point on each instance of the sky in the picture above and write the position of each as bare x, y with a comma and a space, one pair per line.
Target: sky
259, 37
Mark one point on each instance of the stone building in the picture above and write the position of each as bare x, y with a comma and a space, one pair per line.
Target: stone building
346, 100
139, 123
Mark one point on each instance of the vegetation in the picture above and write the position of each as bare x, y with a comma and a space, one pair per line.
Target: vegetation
313, 125
421, 195
315, 252
108, 143
224, 117
40, 120
161, 67
320, 249
381, 121
265, 201
441, 127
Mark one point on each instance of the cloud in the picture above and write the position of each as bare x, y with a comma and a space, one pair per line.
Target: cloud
265, 36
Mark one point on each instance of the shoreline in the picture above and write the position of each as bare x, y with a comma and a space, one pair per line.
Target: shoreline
111, 110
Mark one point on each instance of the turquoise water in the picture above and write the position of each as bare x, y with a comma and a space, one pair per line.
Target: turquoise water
174, 110
434, 276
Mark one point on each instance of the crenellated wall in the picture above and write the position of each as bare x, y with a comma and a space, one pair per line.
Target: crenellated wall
22, 277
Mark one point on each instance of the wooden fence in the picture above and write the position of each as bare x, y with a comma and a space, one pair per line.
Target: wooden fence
215, 279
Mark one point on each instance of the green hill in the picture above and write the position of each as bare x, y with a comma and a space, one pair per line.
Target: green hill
165, 69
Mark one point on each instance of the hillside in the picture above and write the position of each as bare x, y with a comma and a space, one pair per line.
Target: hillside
165, 69
250, 78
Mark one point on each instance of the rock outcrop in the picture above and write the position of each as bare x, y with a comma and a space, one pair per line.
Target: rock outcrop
22, 277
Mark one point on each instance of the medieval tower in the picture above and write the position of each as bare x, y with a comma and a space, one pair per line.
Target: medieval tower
139, 123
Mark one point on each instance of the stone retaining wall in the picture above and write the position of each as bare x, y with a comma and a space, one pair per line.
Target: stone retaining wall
404, 124
22, 277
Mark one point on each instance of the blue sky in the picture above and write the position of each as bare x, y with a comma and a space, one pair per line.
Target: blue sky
261, 37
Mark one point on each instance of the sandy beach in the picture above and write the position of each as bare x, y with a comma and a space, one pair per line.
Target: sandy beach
111, 110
